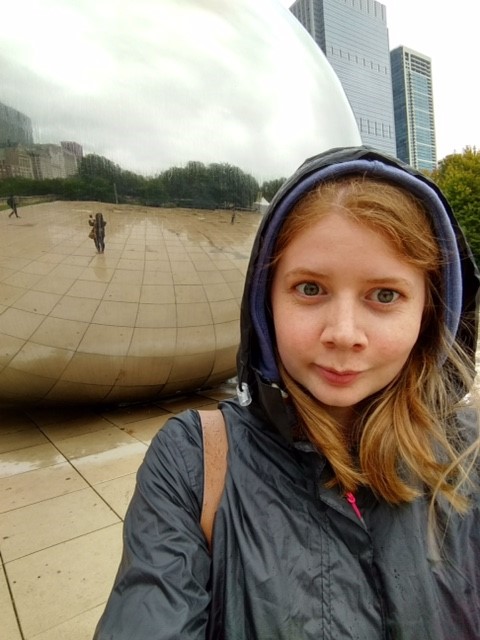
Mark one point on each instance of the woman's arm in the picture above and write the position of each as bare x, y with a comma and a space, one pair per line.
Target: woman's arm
160, 591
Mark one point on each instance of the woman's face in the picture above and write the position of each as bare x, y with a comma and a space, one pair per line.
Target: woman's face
347, 312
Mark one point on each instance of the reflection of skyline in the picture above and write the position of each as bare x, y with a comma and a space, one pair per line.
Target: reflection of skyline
157, 313
22, 157
15, 127
152, 88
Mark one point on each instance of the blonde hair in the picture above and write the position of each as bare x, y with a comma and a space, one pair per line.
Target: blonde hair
404, 441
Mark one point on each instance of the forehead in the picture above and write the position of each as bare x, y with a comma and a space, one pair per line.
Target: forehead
335, 228
397, 227
334, 241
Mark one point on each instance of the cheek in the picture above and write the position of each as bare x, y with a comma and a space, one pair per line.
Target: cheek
292, 336
398, 344
293, 327
284, 336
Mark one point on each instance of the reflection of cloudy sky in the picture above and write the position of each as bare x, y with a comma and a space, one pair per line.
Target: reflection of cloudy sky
153, 83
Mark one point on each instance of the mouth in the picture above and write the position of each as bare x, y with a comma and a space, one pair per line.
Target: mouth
338, 378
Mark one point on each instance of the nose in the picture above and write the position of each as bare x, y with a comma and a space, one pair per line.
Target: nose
343, 326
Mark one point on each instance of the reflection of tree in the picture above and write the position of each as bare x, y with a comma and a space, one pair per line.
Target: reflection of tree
217, 185
204, 186
270, 188
93, 166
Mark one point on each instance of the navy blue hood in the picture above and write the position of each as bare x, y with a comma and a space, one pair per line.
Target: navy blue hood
257, 368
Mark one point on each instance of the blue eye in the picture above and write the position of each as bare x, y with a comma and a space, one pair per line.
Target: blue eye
308, 288
385, 296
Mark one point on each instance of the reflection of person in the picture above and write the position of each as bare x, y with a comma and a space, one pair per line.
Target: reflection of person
12, 202
97, 232
347, 510
91, 222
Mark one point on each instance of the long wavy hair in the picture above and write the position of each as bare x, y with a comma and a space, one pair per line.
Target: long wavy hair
404, 442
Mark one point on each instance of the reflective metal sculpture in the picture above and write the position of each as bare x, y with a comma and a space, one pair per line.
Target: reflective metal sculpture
176, 120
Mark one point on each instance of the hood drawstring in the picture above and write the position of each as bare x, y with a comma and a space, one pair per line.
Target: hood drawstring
353, 501
243, 394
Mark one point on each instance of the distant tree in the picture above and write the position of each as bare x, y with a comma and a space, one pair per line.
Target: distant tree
130, 185
95, 166
270, 188
153, 192
18, 186
29, 186
458, 176
213, 186
73, 188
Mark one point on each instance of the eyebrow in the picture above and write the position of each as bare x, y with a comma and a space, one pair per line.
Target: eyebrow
392, 281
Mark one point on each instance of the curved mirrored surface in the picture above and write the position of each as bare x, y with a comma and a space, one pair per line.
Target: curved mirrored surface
175, 120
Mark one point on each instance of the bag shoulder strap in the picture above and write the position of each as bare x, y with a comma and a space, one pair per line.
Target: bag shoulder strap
215, 448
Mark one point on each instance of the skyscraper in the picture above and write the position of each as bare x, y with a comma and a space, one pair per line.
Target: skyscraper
354, 37
413, 108
15, 127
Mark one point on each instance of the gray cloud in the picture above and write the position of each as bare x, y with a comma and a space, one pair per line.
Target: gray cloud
155, 84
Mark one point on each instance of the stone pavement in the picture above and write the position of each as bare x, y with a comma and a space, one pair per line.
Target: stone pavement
66, 477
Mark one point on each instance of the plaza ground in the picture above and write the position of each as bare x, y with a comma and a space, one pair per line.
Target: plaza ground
66, 477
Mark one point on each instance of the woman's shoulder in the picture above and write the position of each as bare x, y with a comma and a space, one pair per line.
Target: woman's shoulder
182, 429
181, 437
175, 454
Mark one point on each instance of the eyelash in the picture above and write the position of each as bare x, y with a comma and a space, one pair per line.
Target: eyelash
395, 293
299, 287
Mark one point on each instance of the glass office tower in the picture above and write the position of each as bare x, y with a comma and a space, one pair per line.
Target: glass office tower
15, 127
413, 108
354, 37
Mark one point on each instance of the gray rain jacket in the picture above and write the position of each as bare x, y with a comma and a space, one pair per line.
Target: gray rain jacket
291, 560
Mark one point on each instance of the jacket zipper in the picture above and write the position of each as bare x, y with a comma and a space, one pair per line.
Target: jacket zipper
352, 500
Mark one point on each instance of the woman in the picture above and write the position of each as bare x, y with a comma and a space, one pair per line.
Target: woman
350, 508
97, 233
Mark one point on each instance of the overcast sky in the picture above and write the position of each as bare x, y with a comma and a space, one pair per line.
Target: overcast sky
151, 84
448, 33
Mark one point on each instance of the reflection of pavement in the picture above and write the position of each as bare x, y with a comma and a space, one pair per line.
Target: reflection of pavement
66, 477
156, 313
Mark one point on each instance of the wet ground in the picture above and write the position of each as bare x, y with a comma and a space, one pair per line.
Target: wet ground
66, 477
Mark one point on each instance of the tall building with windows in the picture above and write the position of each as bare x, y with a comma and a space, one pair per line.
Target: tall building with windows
353, 35
413, 108
15, 127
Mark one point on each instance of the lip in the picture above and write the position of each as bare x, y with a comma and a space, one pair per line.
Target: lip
338, 378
